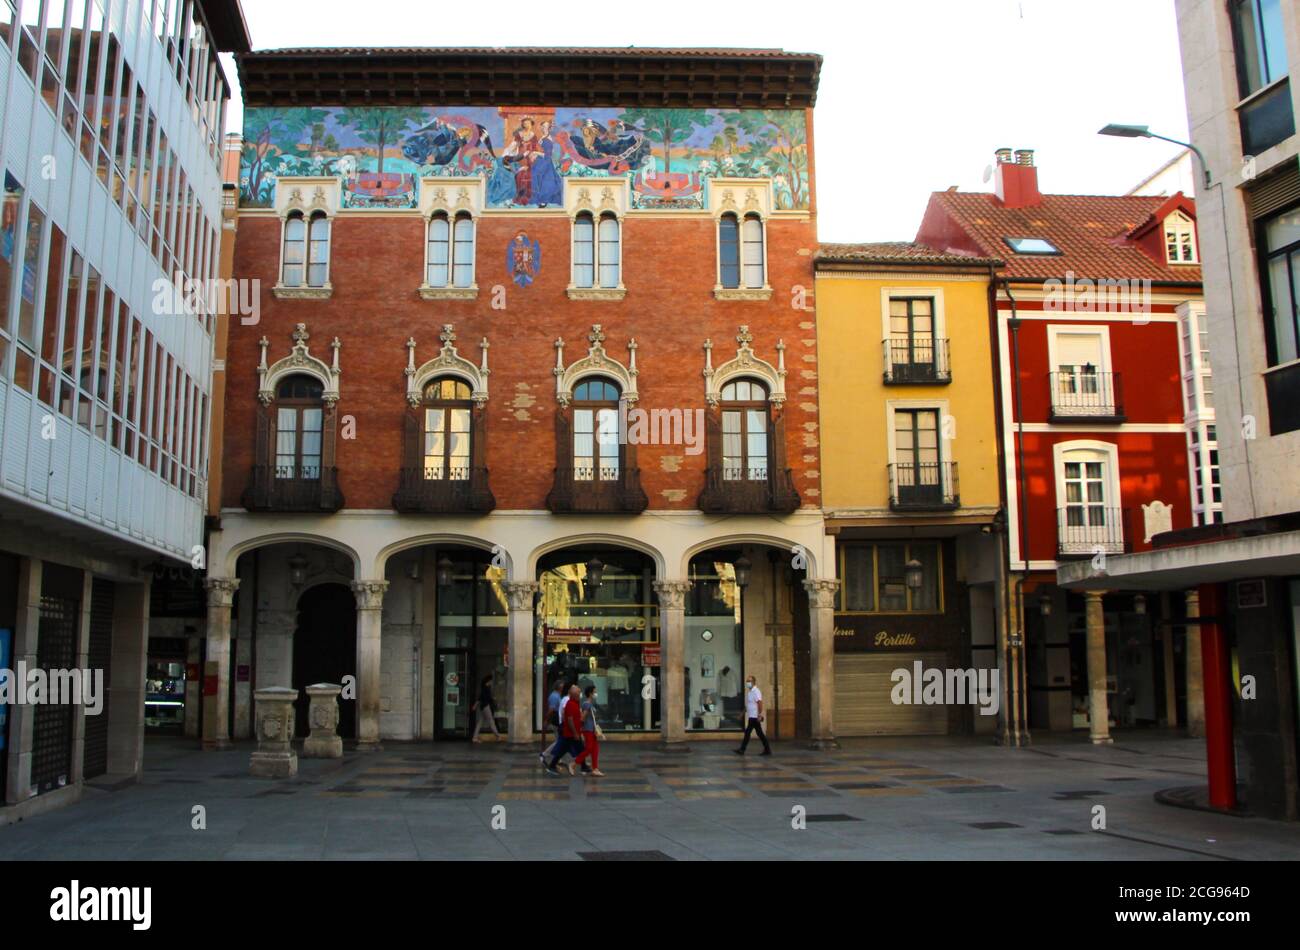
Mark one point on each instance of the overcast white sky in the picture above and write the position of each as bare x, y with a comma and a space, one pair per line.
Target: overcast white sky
915, 94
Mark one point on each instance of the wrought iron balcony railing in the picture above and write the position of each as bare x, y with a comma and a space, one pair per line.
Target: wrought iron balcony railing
927, 486
589, 489
276, 488
1085, 530
730, 489
916, 361
1085, 395
437, 490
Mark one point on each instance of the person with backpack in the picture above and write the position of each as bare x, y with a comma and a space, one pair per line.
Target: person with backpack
485, 708
552, 719
570, 741
591, 735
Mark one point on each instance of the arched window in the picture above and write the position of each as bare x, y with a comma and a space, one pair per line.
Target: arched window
450, 261
447, 410
299, 416
740, 252
752, 251
584, 251
744, 431
607, 252
729, 251
595, 430
295, 246
438, 268
318, 250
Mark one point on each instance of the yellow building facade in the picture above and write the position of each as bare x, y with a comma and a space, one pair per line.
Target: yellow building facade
910, 477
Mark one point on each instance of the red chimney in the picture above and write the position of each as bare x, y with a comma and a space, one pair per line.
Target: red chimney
1016, 183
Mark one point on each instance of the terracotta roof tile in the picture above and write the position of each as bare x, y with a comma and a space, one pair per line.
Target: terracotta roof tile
889, 252
1089, 230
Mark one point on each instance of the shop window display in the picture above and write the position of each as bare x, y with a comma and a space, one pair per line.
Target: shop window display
598, 624
715, 654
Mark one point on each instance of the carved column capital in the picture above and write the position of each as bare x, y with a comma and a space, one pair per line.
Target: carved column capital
821, 592
369, 594
672, 594
221, 591
520, 594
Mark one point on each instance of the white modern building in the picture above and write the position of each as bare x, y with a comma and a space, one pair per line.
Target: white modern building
1241, 109
110, 151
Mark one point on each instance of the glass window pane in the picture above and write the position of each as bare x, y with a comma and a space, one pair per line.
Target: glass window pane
729, 251
583, 252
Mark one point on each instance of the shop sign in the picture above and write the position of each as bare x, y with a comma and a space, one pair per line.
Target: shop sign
569, 635
650, 656
863, 632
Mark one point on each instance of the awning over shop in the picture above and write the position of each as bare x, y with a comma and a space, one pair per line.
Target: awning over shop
1178, 568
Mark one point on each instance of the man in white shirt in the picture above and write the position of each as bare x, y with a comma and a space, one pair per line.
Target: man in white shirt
753, 717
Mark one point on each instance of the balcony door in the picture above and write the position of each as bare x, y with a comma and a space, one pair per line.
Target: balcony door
1090, 514
1082, 383
911, 339
917, 460
447, 430
595, 431
299, 423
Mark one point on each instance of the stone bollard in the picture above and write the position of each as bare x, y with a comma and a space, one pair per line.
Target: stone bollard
323, 716
274, 757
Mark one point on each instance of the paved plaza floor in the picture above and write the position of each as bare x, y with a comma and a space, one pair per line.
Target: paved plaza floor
940, 798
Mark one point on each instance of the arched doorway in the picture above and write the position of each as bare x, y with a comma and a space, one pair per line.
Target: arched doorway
325, 650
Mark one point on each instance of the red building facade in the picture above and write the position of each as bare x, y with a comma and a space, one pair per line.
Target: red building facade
532, 395
1107, 429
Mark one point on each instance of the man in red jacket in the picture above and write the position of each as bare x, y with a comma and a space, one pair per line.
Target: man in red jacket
570, 732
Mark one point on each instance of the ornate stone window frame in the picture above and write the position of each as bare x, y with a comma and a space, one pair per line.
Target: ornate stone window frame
598, 198
299, 361
596, 363
291, 197
741, 197
453, 197
448, 362
744, 364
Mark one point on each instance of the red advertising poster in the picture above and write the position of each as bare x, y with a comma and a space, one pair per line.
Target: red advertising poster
650, 656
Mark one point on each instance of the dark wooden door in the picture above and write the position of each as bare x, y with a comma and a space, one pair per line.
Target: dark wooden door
802, 637
325, 650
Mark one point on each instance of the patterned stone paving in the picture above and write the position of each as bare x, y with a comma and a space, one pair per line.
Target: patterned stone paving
634, 775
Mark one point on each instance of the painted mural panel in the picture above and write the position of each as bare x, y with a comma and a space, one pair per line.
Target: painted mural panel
525, 153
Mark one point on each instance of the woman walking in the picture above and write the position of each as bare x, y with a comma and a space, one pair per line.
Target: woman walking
485, 708
590, 734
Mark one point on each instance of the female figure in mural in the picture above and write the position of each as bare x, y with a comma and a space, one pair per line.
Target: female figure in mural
520, 156
548, 189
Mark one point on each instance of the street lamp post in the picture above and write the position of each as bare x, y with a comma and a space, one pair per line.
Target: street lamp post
1142, 132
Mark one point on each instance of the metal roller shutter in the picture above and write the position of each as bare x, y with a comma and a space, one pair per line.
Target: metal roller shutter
1275, 192
95, 758
862, 703
56, 649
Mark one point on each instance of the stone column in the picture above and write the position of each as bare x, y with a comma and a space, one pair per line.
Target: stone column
520, 729
82, 663
370, 612
672, 669
323, 719
18, 784
274, 757
216, 666
126, 679
821, 633
1098, 706
1194, 666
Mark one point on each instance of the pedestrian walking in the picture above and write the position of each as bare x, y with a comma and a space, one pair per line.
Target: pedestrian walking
591, 734
485, 709
753, 717
570, 742
552, 719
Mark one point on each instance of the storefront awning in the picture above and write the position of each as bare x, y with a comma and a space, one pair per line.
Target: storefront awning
1179, 568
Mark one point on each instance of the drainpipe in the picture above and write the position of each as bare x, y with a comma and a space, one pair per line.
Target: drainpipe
1016, 642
